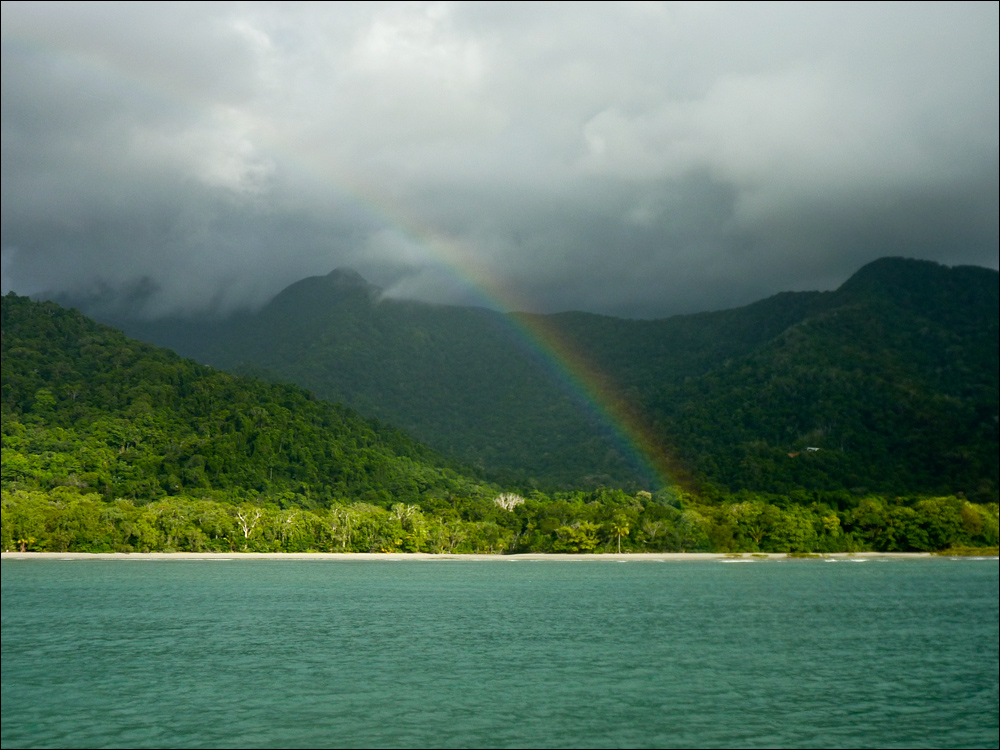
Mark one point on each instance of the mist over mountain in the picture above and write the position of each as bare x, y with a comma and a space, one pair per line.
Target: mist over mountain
889, 383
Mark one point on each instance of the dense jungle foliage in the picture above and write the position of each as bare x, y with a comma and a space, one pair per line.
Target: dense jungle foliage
63, 519
83, 406
114, 445
893, 377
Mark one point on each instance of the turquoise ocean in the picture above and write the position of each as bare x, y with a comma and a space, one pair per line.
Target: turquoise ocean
499, 653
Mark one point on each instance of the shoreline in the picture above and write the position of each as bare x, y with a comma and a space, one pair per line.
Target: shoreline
427, 556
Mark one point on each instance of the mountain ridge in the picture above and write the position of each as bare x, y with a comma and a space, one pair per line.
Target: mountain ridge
913, 341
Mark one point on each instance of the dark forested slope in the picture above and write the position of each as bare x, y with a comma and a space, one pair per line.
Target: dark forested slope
461, 379
893, 377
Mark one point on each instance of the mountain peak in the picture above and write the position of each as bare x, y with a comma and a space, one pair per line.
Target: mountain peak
894, 271
342, 286
347, 278
931, 288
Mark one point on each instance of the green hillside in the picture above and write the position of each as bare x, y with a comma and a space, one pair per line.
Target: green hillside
86, 407
893, 377
460, 379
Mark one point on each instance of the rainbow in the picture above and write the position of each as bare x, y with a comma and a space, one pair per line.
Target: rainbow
593, 390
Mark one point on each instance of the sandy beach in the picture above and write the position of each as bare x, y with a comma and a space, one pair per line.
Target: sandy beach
396, 556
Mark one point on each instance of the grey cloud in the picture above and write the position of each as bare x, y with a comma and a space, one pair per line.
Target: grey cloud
632, 159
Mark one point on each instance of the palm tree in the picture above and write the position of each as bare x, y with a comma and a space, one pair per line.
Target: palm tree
619, 527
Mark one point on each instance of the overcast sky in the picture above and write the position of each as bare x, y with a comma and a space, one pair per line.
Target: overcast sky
637, 159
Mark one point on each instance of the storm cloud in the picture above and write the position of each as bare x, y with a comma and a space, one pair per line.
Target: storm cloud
637, 159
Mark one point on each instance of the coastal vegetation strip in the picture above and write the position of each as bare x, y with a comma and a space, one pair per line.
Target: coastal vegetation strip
520, 557
63, 520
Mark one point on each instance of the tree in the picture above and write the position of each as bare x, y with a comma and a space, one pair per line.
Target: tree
580, 537
248, 517
620, 528
342, 521
508, 500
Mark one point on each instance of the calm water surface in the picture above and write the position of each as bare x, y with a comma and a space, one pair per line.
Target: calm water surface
499, 653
